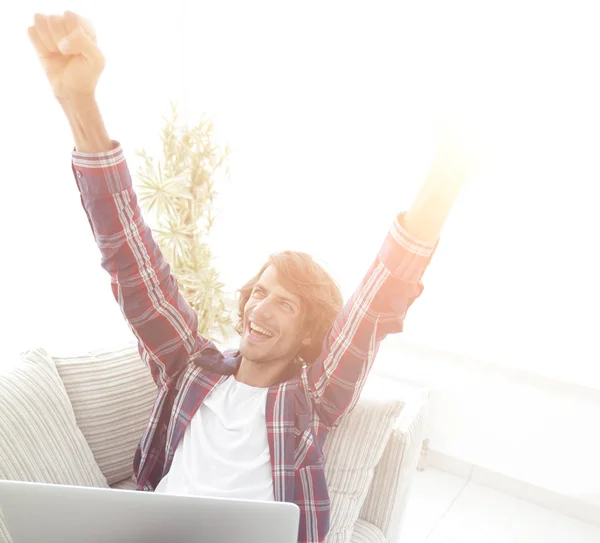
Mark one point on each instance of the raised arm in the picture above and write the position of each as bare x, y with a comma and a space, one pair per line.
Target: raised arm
379, 305
165, 325
163, 322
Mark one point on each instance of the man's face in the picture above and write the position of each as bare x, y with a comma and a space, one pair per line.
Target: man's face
273, 321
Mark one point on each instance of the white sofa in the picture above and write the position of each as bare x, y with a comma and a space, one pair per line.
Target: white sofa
77, 421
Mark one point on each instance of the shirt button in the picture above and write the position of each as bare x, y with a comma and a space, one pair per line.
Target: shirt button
79, 176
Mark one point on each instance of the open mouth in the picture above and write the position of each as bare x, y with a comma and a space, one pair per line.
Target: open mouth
258, 333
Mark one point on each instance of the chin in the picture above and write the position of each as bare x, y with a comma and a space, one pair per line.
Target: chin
250, 352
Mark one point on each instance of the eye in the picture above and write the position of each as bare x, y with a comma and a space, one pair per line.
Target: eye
258, 292
287, 306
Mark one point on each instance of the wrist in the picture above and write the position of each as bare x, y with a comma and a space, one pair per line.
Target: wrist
86, 123
77, 103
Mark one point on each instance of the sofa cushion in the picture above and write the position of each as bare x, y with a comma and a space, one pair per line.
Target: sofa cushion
39, 437
352, 451
127, 484
365, 532
112, 393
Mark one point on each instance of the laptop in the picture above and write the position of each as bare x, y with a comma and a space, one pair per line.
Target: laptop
35, 512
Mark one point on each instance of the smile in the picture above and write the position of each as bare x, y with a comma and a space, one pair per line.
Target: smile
259, 330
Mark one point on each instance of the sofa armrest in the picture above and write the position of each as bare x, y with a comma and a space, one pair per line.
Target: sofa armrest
389, 492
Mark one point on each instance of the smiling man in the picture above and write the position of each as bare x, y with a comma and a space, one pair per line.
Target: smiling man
285, 312
247, 423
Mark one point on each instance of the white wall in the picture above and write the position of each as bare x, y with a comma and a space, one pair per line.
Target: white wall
55, 295
529, 428
325, 106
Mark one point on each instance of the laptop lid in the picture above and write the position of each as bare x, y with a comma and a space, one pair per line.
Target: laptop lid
36, 512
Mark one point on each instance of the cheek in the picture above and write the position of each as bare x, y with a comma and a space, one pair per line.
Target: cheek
294, 328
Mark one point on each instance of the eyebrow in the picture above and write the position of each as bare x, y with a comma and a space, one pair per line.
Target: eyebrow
278, 296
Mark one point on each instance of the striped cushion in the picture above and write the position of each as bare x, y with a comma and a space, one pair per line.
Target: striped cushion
39, 437
112, 393
127, 484
352, 451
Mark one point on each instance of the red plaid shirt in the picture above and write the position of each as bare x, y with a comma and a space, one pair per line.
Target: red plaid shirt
186, 367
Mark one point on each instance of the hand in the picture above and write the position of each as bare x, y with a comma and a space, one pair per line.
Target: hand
66, 46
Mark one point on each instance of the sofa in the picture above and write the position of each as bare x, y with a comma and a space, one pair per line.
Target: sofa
77, 420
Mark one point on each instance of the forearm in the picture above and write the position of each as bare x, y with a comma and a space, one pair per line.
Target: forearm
457, 157
87, 125
433, 203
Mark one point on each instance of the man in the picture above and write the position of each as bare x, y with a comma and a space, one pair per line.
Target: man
248, 423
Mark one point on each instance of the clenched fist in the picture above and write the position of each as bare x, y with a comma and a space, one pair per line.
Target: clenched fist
66, 46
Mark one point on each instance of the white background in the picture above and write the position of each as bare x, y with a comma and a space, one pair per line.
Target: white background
325, 107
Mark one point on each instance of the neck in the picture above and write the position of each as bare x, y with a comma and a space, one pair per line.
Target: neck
264, 375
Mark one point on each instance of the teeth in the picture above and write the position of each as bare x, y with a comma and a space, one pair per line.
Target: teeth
259, 329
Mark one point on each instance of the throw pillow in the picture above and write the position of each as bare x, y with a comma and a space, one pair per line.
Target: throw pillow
39, 438
112, 393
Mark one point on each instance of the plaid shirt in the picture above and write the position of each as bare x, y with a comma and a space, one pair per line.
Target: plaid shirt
186, 367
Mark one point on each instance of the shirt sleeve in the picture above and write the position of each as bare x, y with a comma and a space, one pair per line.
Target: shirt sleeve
165, 325
377, 308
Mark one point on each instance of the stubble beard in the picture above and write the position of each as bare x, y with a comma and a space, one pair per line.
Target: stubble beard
254, 355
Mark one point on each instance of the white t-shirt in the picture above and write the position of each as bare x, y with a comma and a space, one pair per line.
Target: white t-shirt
224, 451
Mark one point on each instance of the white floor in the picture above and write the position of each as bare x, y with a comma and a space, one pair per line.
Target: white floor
444, 508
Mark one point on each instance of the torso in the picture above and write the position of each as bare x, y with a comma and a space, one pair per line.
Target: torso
224, 451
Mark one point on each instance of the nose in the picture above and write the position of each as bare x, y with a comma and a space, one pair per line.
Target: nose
264, 309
